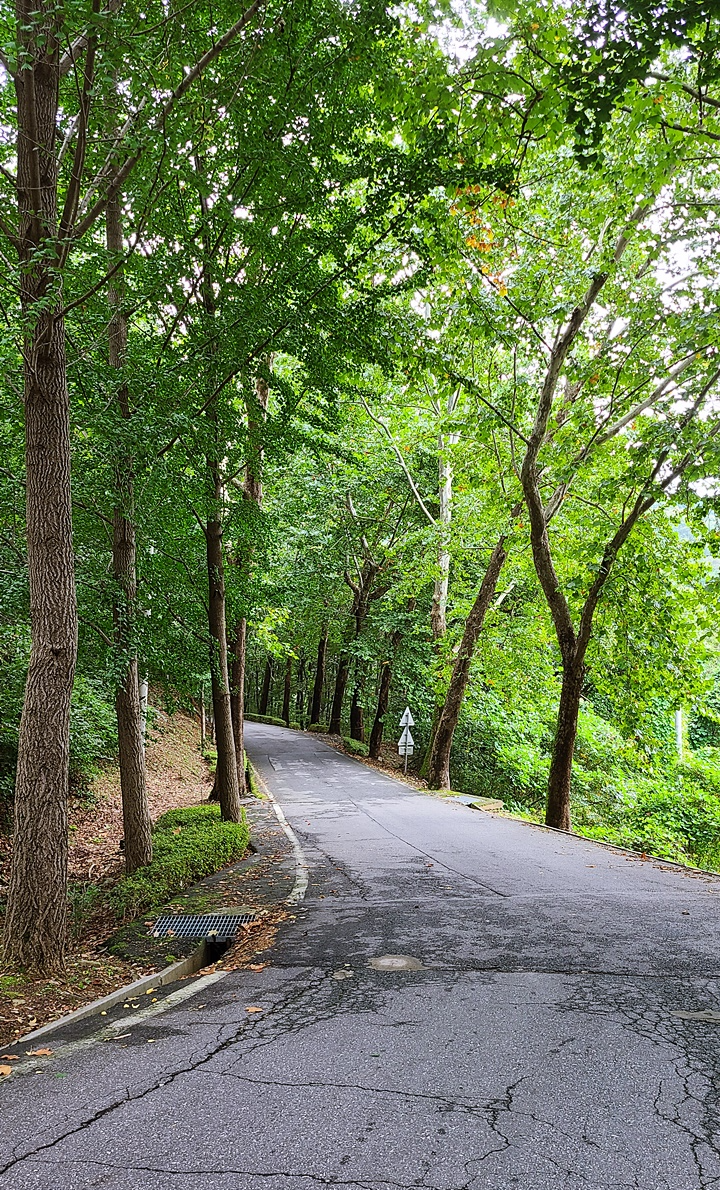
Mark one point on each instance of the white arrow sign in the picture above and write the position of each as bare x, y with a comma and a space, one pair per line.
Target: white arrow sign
407, 719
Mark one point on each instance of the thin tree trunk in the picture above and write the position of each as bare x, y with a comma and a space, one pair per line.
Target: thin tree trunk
143, 707
341, 682
265, 692
131, 742
286, 692
439, 769
202, 722
300, 693
238, 701
558, 801
438, 612
35, 920
227, 790
253, 494
357, 723
317, 693
376, 734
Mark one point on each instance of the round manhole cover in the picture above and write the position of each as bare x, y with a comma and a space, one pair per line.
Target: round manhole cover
395, 962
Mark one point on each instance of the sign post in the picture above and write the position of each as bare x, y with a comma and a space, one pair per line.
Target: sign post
406, 744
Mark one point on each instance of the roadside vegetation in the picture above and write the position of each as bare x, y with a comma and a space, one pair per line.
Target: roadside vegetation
358, 356
188, 844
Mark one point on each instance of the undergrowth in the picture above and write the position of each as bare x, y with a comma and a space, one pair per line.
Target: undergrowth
188, 844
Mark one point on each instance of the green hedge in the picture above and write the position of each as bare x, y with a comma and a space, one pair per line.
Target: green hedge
272, 721
355, 746
318, 727
188, 844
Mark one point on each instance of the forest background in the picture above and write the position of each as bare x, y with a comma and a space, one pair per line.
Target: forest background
356, 357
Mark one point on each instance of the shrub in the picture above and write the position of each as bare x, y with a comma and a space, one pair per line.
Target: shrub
188, 843
355, 747
318, 727
268, 719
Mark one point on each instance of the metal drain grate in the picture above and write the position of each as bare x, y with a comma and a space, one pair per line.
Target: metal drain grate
223, 926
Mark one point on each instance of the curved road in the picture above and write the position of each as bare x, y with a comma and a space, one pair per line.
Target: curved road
558, 1028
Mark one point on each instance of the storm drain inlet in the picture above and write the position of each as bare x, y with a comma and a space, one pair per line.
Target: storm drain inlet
222, 927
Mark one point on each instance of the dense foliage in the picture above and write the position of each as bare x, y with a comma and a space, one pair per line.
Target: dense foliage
386, 363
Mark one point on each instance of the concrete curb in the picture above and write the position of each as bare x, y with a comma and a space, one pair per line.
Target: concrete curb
188, 966
643, 856
302, 869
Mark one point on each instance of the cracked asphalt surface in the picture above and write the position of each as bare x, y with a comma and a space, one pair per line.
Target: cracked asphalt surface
536, 1048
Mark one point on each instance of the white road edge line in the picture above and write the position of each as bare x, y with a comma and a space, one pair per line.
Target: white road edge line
302, 868
111, 1031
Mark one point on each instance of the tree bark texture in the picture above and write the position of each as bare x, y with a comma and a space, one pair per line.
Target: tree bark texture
316, 705
341, 681
376, 733
573, 646
362, 596
558, 801
238, 701
35, 922
386, 675
252, 490
266, 686
357, 718
445, 481
300, 693
128, 706
287, 685
439, 769
227, 788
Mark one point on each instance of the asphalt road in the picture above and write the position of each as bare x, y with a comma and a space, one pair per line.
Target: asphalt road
537, 1042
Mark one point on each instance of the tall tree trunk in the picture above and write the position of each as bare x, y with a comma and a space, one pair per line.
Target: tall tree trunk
376, 734
253, 494
316, 705
227, 790
238, 701
286, 692
35, 921
558, 801
341, 681
386, 674
128, 706
357, 723
265, 692
438, 612
439, 768
300, 693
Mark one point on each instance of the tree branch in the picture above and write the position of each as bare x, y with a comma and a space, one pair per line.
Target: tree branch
398, 454
115, 182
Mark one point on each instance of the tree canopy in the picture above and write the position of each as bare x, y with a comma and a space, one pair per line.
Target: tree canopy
354, 357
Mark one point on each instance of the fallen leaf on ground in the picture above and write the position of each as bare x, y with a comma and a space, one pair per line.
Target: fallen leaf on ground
253, 1008
44, 1053
258, 966
10, 1057
5, 1071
